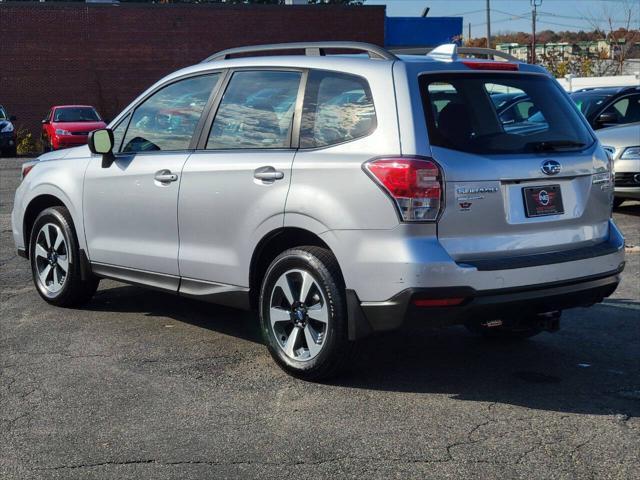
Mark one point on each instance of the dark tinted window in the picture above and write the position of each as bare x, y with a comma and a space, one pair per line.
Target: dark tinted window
256, 111
626, 110
168, 118
337, 108
589, 103
470, 121
76, 114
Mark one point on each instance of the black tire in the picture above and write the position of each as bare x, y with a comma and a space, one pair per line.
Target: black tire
617, 201
46, 145
504, 333
74, 291
336, 350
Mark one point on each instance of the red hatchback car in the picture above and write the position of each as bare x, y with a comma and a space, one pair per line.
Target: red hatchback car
69, 125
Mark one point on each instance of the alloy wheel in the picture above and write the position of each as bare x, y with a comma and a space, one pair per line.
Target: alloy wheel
51, 258
299, 315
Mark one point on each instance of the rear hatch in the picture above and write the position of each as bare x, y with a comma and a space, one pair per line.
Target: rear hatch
523, 173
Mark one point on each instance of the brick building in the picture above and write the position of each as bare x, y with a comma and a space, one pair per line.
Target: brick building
105, 55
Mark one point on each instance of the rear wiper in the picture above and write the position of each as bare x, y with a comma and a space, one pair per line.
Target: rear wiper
555, 144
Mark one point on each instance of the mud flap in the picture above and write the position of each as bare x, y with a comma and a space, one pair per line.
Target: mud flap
358, 326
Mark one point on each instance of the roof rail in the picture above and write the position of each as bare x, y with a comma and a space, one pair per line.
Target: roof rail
310, 49
450, 51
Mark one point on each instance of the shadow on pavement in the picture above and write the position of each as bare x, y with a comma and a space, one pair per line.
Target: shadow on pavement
629, 208
590, 366
130, 299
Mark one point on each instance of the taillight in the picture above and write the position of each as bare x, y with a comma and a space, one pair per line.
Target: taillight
484, 65
606, 178
26, 168
415, 185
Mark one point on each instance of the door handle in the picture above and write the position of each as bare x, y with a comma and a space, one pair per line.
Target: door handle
165, 176
268, 174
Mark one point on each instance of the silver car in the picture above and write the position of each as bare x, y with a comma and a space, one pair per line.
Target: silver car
337, 195
623, 143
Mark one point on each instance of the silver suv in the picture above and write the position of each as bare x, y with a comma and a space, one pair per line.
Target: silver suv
338, 195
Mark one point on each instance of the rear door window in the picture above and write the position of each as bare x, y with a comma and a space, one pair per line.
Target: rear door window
256, 111
505, 113
337, 108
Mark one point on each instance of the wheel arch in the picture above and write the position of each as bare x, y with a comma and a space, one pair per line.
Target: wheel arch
272, 245
35, 206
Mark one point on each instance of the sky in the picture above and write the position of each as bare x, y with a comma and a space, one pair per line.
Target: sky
515, 15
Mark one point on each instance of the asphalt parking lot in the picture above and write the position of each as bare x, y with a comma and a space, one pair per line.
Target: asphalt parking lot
141, 384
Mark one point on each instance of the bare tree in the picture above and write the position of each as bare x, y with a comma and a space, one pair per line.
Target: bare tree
619, 24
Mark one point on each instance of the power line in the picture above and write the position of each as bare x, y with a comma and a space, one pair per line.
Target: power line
578, 18
581, 27
525, 15
466, 13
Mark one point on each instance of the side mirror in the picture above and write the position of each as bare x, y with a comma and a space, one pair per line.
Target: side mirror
13, 118
607, 118
101, 143
45, 121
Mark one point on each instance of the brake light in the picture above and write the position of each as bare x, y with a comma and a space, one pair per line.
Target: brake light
479, 65
415, 185
26, 168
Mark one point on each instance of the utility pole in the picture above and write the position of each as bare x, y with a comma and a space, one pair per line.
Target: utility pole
534, 11
488, 24
469, 34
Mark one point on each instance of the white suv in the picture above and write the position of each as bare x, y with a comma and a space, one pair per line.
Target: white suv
338, 195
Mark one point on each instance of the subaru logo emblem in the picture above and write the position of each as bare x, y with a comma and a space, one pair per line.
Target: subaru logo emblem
551, 167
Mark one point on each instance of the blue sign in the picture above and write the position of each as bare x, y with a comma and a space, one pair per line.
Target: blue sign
422, 31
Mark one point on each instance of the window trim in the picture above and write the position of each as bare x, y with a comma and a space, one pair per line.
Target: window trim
128, 112
126, 118
201, 144
338, 73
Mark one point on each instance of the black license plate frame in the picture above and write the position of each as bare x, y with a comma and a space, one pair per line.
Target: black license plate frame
542, 201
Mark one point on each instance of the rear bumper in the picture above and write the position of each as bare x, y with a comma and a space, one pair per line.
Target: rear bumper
489, 304
627, 192
492, 288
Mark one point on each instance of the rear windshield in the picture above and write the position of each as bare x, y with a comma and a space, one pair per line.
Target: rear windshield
76, 114
490, 113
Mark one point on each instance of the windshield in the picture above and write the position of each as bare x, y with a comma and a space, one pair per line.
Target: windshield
76, 114
589, 103
3, 114
463, 113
